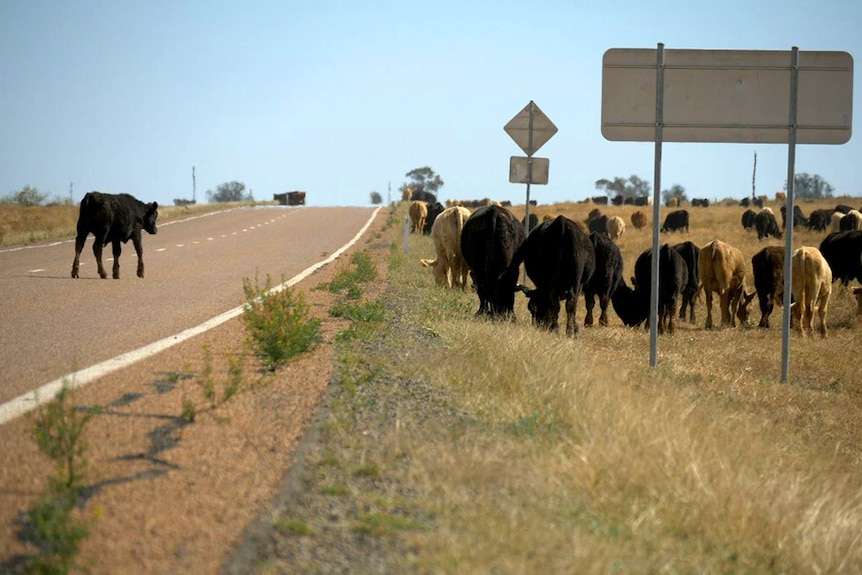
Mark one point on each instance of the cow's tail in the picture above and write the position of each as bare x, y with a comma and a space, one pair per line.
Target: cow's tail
490, 252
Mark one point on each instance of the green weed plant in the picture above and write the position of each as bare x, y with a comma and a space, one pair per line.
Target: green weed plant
52, 523
278, 322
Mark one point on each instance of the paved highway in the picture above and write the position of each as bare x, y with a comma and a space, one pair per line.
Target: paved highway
52, 325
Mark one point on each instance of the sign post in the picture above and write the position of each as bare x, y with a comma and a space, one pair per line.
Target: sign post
530, 129
775, 97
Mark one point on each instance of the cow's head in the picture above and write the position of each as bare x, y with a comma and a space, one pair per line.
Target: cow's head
743, 311
150, 217
544, 309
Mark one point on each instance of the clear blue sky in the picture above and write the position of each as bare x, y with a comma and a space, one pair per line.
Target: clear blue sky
341, 98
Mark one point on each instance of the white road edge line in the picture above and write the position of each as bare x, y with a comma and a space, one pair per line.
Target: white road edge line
34, 398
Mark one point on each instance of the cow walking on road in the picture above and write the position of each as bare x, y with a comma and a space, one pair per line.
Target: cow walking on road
113, 219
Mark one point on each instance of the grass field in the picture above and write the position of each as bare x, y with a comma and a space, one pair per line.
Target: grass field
31, 224
583, 459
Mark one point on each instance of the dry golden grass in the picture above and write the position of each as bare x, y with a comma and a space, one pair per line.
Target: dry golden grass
588, 461
31, 224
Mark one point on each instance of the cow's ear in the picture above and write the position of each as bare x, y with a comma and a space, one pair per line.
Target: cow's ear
154, 206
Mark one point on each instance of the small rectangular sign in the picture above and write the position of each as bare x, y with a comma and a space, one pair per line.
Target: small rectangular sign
727, 96
518, 170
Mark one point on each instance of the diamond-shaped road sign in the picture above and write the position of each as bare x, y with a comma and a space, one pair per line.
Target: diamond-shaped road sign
530, 128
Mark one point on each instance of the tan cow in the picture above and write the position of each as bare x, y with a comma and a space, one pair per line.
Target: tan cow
450, 269
811, 288
616, 226
722, 270
418, 213
835, 221
639, 220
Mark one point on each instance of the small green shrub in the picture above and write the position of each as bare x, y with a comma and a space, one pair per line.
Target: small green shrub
278, 322
51, 524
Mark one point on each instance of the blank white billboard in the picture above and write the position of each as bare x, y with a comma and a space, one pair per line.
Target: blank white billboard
727, 96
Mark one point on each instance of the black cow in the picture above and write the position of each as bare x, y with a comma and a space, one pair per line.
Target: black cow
768, 266
423, 196
632, 305
850, 221
691, 254
113, 219
560, 260
843, 208
819, 220
766, 225
799, 218
598, 224
606, 278
490, 243
756, 202
618, 200
434, 210
641, 201
676, 220
843, 253
700, 203
600, 200
534, 222
748, 219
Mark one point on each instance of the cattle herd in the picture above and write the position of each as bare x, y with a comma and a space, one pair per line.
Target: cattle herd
565, 258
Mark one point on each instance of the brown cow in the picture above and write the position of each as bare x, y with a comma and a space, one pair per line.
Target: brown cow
449, 266
811, 287
722, 270
418, 213
639, 220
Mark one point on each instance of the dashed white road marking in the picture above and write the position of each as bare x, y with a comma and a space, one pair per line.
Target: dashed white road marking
34, 398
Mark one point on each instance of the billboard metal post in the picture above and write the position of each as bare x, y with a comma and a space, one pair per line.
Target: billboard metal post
656, 207
788, 229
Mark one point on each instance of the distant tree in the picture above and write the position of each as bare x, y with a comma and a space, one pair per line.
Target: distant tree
27, 196
675, 191
422, 180
633, 187
810, 186
376, 198
227, 192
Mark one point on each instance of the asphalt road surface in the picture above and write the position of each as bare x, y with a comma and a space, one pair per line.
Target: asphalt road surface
52, 325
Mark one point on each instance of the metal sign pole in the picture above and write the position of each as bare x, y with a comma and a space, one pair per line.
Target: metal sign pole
529, 168
656, 208
788, 239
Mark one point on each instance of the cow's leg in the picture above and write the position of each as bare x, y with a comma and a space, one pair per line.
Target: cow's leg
460, 273
724, 304
79, 245
590, 300
604, 300
708, 294
139, 249
823, 304
97, 251
117, 248
572, 326
809, 316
